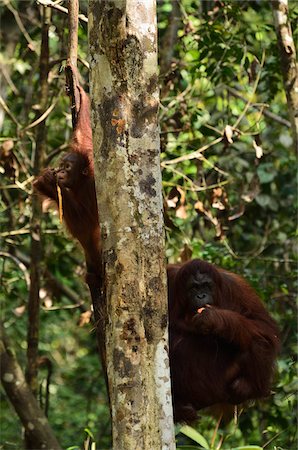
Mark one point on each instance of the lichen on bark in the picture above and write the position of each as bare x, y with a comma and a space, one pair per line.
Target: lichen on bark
125, 99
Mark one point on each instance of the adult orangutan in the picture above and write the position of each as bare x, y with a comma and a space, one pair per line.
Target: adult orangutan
223, 342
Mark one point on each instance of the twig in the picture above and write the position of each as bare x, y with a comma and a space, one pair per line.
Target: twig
64, 307
55, 286
55, 152
253, 254
7, 110
42, 117
15, 232
216, 430
46, 362
18, 185
196, 188
192, 155
7, 77
193, 186
213, 166
20, 265
20, 24
265, 112
175, 101
50, 4
249, 102
177, 130
273, 438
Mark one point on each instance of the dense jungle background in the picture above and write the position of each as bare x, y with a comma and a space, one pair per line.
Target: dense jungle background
229, 180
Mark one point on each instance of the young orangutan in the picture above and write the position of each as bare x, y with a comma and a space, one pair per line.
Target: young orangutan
75, 178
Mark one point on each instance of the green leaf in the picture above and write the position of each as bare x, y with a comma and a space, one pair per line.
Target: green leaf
263, 200
188, 447
195, 436
89, 433
21, 66
248, 447
259, 36
266, 173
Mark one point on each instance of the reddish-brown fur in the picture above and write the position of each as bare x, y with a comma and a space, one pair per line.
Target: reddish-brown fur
79, 202
226, 353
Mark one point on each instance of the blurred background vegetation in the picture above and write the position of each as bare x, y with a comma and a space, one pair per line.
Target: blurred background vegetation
231, 203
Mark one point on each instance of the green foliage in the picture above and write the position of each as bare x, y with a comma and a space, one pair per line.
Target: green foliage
194, 436
235, 205
232, 203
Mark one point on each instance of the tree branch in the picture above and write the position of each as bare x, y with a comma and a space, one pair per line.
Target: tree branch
265, 112
37, 428
50, 4
288, 61
71, 66
169, 39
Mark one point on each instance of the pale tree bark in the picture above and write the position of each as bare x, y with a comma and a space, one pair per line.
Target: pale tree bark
288, 61
124, 99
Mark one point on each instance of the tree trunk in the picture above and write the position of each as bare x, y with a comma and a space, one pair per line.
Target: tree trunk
288, 61
35, 225
124, 99
169, 39
36, 425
